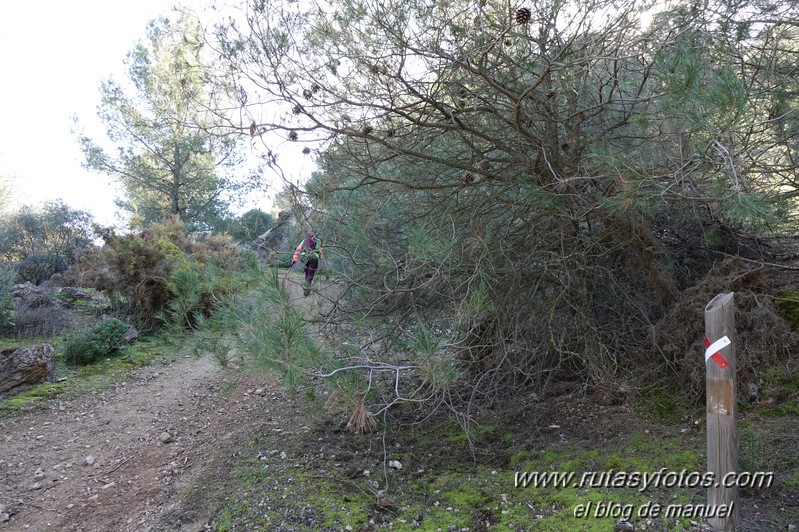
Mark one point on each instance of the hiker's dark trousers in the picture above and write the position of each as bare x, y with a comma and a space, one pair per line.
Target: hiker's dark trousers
310, 269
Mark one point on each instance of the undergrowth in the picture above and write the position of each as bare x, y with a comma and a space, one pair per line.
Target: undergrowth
341, 484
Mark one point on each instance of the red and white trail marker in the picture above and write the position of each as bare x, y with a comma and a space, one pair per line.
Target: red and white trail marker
713, 351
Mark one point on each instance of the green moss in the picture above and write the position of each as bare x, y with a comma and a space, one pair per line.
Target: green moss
335, 504
637, 441
778, 383
30, 399
9, 343
548, 457
660, 406
617, 462
679, 460
479, 497
519, 458
576, 463
783, 389
750, 448
790, 408
85, 379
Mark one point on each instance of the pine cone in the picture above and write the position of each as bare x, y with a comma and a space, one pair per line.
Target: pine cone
306, 150
293, 136
297, 109
523, 15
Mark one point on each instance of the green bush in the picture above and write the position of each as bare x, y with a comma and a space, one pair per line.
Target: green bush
107, 339
245, 228
42, 241
160, 270
7, 276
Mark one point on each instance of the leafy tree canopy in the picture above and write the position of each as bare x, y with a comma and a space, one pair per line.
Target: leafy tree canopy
547, 176
170, 154
40, 242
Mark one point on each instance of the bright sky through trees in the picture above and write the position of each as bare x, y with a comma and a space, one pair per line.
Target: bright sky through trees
53, 56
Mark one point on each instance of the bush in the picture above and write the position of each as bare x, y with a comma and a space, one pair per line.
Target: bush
151, 269
105, 340
7, 276
43, 321
43, 241
252, 224
34, 313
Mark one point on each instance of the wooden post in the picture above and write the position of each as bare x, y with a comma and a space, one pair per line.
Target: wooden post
722, 433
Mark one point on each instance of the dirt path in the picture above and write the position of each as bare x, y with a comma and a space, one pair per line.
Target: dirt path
120, 459
152, 453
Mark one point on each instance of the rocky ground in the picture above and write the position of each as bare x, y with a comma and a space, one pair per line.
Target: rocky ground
124, 459
150, 453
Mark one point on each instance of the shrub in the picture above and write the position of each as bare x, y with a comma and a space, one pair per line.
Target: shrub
196, 292
43, 241
154, 267
34, 313
7, 275
105, 340
43, 321
251, 224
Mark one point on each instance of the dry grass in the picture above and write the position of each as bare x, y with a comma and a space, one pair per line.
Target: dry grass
360, 420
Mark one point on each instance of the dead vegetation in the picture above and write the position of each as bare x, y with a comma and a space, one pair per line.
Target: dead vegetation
764, 339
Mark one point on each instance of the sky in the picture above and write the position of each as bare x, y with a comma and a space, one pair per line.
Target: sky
53, 55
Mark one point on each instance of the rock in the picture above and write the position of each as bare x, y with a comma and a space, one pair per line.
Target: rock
131, 334
89, 460
279, 239
165, 437
22, 368
28, 295
395, 464
624, 526
259, 391
68, 296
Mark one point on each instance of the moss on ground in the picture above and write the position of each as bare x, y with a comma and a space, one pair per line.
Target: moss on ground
86, 379
439, 492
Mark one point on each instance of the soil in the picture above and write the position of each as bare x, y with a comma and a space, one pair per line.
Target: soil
151, 453
160, 452
124, 458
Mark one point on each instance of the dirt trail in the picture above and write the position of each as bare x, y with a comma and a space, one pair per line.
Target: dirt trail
151, 453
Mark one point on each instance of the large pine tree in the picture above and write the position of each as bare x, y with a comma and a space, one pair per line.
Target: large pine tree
172, 156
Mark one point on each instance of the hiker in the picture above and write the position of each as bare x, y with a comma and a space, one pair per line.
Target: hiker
308, 252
